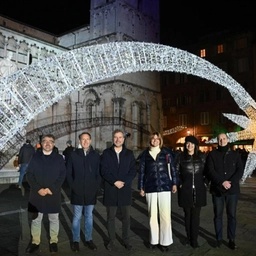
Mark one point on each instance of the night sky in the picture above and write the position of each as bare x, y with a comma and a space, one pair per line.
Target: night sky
181, 21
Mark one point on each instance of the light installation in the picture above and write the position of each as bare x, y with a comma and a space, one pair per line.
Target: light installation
174, 130
40, 85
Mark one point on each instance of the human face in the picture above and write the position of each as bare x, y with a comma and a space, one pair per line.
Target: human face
118, 139
47, 145
155, 141
222, 140
190, 147
85, 141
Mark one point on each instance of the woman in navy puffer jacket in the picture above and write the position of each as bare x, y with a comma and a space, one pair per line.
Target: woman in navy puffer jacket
156, 181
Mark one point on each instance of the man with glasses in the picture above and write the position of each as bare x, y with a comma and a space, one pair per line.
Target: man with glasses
46, 173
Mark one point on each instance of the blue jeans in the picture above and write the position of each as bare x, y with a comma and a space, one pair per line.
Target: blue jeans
230, 201
88, 222
23, 168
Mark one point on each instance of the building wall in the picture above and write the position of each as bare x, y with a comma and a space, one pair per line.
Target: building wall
192, 96
136, 97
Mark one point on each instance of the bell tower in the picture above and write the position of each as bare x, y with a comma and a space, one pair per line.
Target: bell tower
128, 20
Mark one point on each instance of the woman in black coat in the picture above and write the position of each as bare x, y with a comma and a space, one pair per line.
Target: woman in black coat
190, 165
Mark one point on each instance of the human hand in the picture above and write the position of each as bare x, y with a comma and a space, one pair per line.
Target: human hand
119, 184
174, 189
49, 192
142, 192
226, 184
42, 192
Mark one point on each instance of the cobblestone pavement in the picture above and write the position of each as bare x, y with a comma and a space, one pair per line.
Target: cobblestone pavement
15, 233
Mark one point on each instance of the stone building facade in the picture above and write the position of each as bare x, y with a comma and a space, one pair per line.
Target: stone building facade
133, 99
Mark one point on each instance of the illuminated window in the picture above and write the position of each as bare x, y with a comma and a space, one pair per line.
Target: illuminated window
204, 118
183, 120
203, 53
220, 48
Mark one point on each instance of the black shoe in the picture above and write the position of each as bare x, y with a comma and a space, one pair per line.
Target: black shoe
111, 246
232, 245
53, 247
32, 247
152, 246
91, 245
187, 242
195, 245
128, 247
164, 248
75, 247
219, 243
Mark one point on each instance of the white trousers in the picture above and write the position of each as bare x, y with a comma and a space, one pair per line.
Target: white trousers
53, 228
159, 212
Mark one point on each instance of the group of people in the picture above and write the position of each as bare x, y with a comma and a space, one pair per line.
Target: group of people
84, 170
189, 173
161, 173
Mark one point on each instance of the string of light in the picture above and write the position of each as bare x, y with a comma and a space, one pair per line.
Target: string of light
41, 84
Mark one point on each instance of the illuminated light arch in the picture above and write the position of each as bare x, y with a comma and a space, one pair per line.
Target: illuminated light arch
38, 86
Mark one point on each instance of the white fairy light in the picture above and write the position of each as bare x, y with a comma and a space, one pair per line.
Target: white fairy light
174, 130
41, 84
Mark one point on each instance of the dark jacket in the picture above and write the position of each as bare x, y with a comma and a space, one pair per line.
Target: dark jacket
224, 166
26, 151
154, 175
67, 151
192, 183
46, 172
113, 171
83, 176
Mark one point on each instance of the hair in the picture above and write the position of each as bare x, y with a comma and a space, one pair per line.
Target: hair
196, 150
222, 133
117, 131
159, 137
84, 133
48, 135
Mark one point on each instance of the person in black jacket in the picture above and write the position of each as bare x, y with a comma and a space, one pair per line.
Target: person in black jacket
157, 180
67, 151
118, 169
25, 153
83, 176
225, 169
190, 166
46, 173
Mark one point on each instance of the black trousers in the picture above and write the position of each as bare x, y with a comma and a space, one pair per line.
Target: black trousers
125, 218
192, 221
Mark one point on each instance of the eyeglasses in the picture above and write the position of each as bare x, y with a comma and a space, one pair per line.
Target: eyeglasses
48, 141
